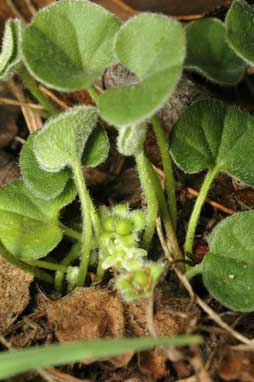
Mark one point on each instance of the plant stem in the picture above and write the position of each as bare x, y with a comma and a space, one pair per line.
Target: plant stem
38, 273
197, 209
46, 265
95, 220
166, 218
35, 91
70, 232
167, 166
72, 255
193, 271
150, 196
85, 202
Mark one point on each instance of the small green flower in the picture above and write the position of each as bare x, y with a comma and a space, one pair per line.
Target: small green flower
141, 282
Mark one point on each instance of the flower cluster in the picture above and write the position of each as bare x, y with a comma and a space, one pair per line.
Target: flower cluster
119, 248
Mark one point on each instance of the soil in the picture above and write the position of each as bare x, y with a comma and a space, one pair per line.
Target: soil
31, 314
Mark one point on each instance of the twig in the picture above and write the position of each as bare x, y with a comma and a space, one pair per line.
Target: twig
190, 17
125, 7
216, 318
197, 364
12, 102
213, 315
55, 375
14, 10
19, 139
5, 343
193, 378
54, 98
216, 205
172, 263
32, 119
243, 347
31, 8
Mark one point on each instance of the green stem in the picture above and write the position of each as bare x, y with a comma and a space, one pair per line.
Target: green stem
85, 202
197, 209
38, 273
72, 255
70, 232
194, 271
166, 218
150, 196
46, 265
35, 91
167, 166
100, 271
95, 220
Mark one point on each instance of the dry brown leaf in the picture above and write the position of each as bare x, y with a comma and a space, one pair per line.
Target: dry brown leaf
14, 292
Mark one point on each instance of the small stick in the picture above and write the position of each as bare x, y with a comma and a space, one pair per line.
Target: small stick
32, 119
15, 10
216, 205
30, 7
126, 7
190, 17
54, 98
12, 102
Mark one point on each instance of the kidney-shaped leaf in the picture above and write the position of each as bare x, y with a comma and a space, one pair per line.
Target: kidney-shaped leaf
228, 270
10, 56
60, 143
43, 184
153, 48
240, 29
209, 54
29, 225
69, 44
210, 135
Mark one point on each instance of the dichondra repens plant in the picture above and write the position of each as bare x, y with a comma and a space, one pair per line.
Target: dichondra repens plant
208, 136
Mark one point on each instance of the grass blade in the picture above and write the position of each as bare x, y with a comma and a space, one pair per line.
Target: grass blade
19, 361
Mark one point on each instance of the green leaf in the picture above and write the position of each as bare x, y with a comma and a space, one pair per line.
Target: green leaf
43, 184
61, 141
29, 225
153, 48
240, 29
228, 270
209, 54
69, 44
10, 56
97, 148
16, 362
210, 135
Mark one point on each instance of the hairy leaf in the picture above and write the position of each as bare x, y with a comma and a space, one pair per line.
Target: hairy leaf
228, 270
61, 141
16, 362
240, 29
153, 48
210, 135
68, 44
210, 55
43, 184
29, 225
97, 148
10, 56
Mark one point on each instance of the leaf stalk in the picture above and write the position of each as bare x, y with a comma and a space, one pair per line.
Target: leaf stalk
167, 166
197, 209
